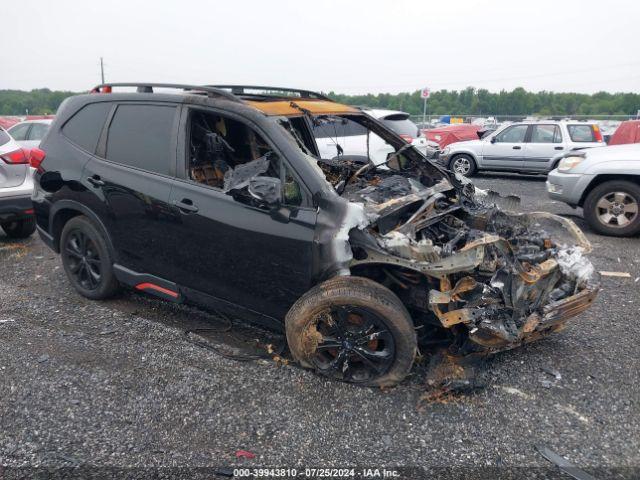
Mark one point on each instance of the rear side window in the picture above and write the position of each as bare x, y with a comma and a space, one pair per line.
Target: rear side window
38, 131
401, 125
19, 132
140, 136
4, 137
546, 134
581, 133
85, 127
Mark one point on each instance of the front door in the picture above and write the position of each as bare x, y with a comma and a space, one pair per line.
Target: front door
505, 151
225, 244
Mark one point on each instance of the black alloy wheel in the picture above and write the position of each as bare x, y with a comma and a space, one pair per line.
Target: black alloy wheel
356, 345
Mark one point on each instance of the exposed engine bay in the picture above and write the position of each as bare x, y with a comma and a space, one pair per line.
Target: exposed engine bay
473, 273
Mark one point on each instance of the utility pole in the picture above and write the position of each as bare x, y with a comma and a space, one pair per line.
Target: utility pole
102, 70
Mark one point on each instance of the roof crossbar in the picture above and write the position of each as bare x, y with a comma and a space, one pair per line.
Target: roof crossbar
148, 88
241, 90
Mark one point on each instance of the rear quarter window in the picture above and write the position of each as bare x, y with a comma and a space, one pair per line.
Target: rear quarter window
140, 136
581, 133
85, 126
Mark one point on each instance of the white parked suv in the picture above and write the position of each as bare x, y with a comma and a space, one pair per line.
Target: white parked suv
340, 136
530, 147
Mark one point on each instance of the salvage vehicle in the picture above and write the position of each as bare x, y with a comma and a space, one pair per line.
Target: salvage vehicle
16, 185
218, 196
605, 182
524, 147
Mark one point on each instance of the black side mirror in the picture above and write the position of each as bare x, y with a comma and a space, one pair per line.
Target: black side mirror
266, 190
493, 139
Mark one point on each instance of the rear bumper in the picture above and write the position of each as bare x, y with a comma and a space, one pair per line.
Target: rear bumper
15, 208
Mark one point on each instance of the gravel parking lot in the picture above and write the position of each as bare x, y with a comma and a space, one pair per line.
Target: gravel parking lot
117, 384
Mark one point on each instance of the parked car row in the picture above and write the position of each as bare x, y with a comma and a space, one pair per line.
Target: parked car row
526, 147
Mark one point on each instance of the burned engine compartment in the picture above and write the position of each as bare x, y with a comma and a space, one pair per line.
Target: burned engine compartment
460, 259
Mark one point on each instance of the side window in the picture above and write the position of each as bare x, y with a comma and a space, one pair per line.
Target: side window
546, 134
226, 154
140, 136
334, 127
4, 137
515, 134
85, 126
38, 131
581, 133
19, 132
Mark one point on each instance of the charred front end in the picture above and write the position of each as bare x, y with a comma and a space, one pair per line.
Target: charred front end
471, 271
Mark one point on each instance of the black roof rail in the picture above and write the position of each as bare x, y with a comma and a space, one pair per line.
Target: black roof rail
240, 90
148, 88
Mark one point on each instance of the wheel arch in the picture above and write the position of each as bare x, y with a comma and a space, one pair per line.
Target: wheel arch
65, 210
606, 177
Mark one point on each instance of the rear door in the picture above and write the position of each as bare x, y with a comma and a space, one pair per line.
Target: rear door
545, 141
506, 149
130, 179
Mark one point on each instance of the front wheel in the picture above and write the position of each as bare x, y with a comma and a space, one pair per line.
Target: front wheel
352, 329
20, 228
463, 164
612, 208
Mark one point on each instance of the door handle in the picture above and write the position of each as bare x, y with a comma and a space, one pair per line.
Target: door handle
96, 181
559, 148
517, 147
185, 206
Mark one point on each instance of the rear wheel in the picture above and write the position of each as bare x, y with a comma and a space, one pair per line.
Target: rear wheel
612, 208
352, 329
463, 164
20, 228
86, 259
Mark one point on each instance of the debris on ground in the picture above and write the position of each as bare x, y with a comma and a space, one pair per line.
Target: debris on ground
615, 274
449, 374
563, 464
245, 454
551, 371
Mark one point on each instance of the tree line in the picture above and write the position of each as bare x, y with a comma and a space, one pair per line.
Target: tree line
468, 101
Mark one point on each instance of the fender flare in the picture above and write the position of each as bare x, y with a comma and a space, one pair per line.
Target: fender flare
83, 210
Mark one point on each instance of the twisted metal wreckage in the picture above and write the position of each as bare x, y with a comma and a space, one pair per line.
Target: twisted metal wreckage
477, 277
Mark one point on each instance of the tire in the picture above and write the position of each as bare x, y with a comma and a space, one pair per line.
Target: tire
613, 208
352, 329
20, 228
84, 260
463, 164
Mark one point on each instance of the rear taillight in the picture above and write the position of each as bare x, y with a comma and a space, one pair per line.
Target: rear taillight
36, 157
407, 138
15, 157
597, 134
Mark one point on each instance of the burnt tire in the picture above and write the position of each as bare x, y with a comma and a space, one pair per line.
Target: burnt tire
463, 164
613, 208
20, 228
86, 259
312, 326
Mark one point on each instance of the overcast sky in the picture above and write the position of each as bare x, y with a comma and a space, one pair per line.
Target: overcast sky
348, 46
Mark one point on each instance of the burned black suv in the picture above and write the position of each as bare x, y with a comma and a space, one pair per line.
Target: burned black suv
217, 195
